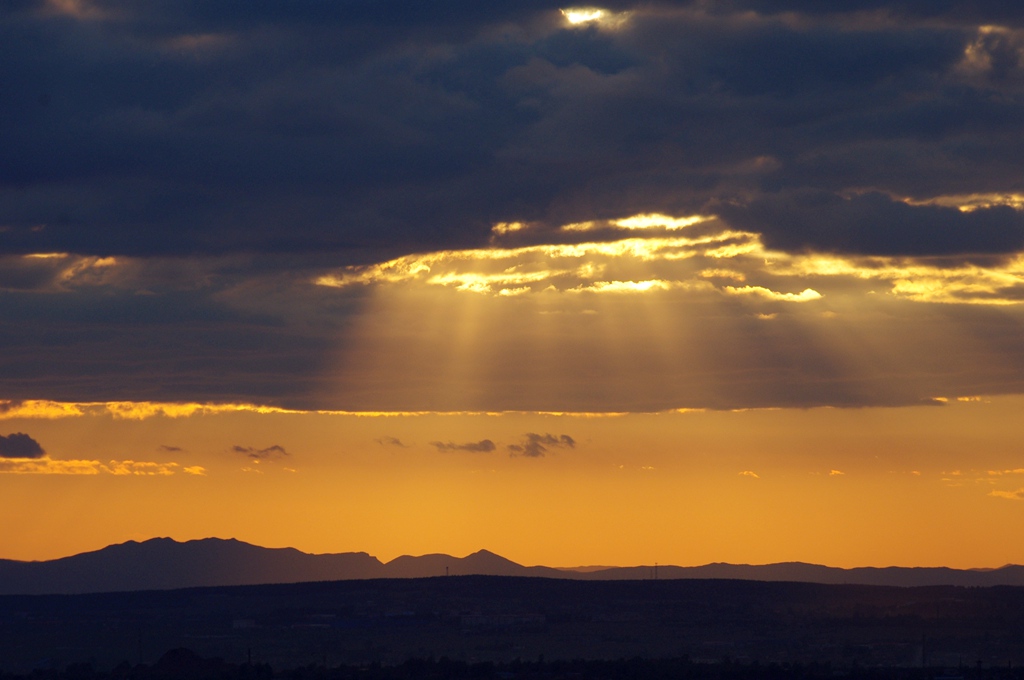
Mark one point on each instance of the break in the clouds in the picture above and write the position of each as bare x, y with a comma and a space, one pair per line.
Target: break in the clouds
482, 446
20, 445
292, 206
533, 445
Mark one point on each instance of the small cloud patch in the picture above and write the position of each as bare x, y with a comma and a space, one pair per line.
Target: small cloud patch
1017, 495
534, 445
482, 446
391, 441
20, 445
271, 452
750, 473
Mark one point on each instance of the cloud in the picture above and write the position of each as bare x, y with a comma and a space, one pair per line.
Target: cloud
805, 295
415, 130
876, 224
170, 449
20, 445
159, 235
269, 453
118, 468
1017, 495
533, 445
391, 441
750, 473
482, 446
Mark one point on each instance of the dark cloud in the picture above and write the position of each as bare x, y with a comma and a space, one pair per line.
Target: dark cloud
391, 441
270, 452
181, 128
242, 149
874, 224
535, 445
170, 449
982, 11
482, 446
20, 445
235, 341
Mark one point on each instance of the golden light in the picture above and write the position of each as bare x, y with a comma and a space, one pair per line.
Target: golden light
654, 220
582, 15
971, 202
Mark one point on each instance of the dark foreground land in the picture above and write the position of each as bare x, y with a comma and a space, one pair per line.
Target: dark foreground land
183, 664
505, 627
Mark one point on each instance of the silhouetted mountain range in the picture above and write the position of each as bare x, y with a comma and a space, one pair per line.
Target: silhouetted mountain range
163, 563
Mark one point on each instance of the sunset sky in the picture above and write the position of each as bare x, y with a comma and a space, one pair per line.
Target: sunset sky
674, 282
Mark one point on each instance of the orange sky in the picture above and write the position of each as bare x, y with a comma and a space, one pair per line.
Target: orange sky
929, 485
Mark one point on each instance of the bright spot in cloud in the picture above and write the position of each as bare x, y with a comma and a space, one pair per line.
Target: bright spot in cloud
507, 227
653, 220
582, 15
805, 295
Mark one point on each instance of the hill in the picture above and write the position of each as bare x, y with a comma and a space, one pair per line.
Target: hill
163, 563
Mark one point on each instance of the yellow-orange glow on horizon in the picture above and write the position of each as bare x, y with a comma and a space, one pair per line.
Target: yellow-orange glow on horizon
380, 486
118, 468
43, 409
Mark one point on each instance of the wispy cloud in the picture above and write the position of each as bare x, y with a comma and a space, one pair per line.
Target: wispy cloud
270, 452
119, 468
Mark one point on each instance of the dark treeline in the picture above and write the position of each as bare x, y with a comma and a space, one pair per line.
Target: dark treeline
183, 664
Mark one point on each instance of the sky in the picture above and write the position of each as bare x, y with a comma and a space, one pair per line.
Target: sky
675, 282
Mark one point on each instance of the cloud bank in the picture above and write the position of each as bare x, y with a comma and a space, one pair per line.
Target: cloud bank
274, 205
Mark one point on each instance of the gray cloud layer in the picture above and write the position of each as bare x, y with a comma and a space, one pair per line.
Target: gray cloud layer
240, 149
178, 128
